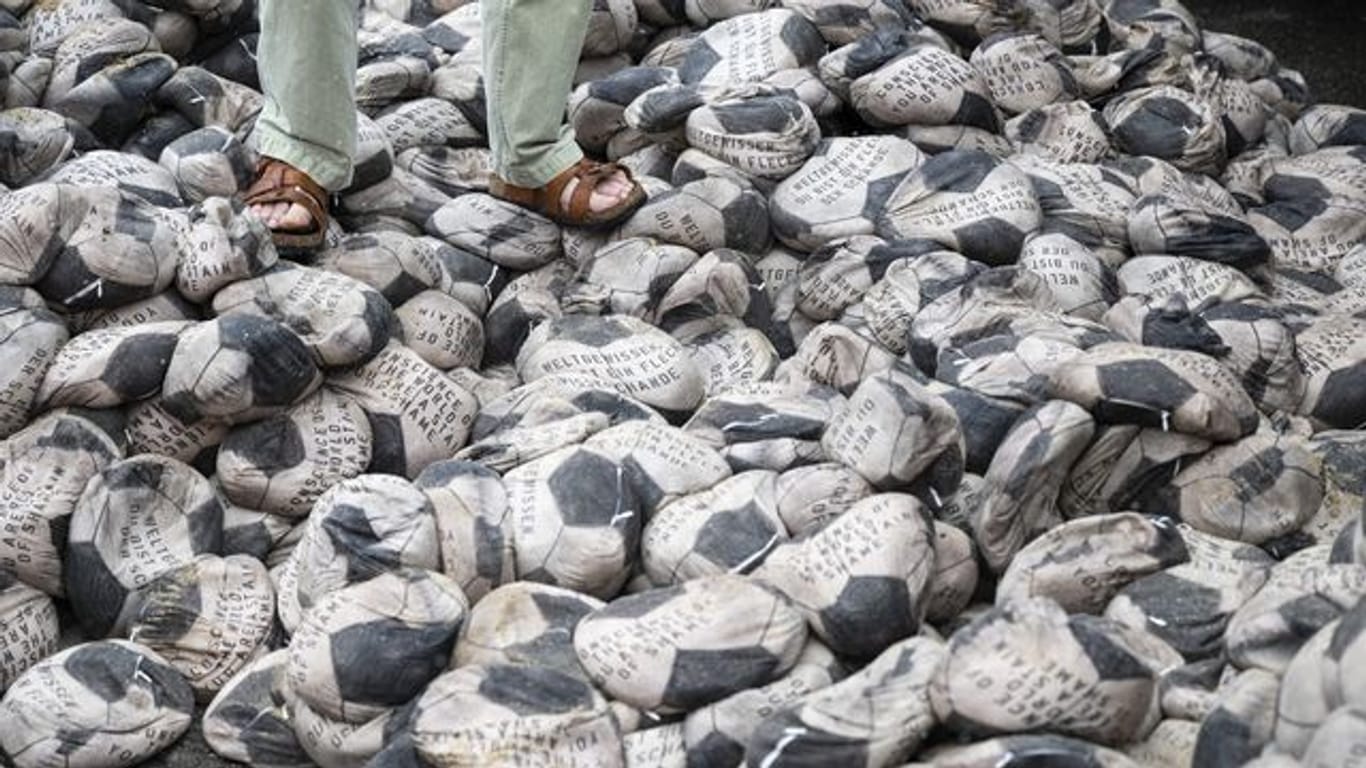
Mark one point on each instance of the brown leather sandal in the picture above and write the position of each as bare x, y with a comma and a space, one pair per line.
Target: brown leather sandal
280, 182
546, 200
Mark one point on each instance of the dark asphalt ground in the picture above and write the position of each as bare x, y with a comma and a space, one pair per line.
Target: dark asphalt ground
1324, 39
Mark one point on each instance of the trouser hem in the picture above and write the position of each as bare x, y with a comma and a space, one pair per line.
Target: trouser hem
330, 169
540, 172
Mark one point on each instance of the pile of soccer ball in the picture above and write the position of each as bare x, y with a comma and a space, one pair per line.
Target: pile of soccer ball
979, 386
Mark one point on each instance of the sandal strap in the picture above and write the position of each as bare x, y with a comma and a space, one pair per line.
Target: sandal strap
280, 182
546, 200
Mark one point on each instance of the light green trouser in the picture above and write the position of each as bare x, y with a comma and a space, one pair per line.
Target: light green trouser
306, 58
531, 48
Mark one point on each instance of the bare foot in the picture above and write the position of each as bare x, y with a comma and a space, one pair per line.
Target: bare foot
284, 217
609, 192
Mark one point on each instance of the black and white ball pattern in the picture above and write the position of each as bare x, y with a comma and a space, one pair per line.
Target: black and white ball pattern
878, 716
45, 470
282, 464
968, 201
576, 521
841, 190
1034, 325
374, 645
728, 528
690, 645
860, 581
247, 722
526, 624
239, 367
359, 529
110, 702
136, 520
528, 713
207, 619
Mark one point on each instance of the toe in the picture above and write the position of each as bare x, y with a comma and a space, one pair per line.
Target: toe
296, 218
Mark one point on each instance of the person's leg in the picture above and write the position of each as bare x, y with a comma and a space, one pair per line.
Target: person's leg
531, 49
306, 58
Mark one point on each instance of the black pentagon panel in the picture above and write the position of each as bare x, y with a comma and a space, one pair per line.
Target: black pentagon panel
402, 288
773, 745
72, 435
591, 330
623, 87
1225, 240
282, 366
985, 420
1159, 127
104, 669
1224, 741
441, 473
802, 38
380, 321
1131, 10
270, 446
561, 610
1260, 473
1148, 384
136, 366
637, 605
1047, 751
254, 540
870, 614
700, 60
271, 741
552, 650
700, 677
413, 656
735, 536
1342, 399
1182, 330
976, 111
1111, 661
1025, 467
750, 422
879, 191
747, 223
134, 475
1195, 636
647, 490
611, 404
1031, 125
1305, 615
715, 749
1351, 628
250, 696
531, 691
488, 557
348, 526
991, 239
95, 594
69, 275
590, 489
759, 115
388, 455
539, 575
505, 328
957, 171
205, 524
1296, 213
